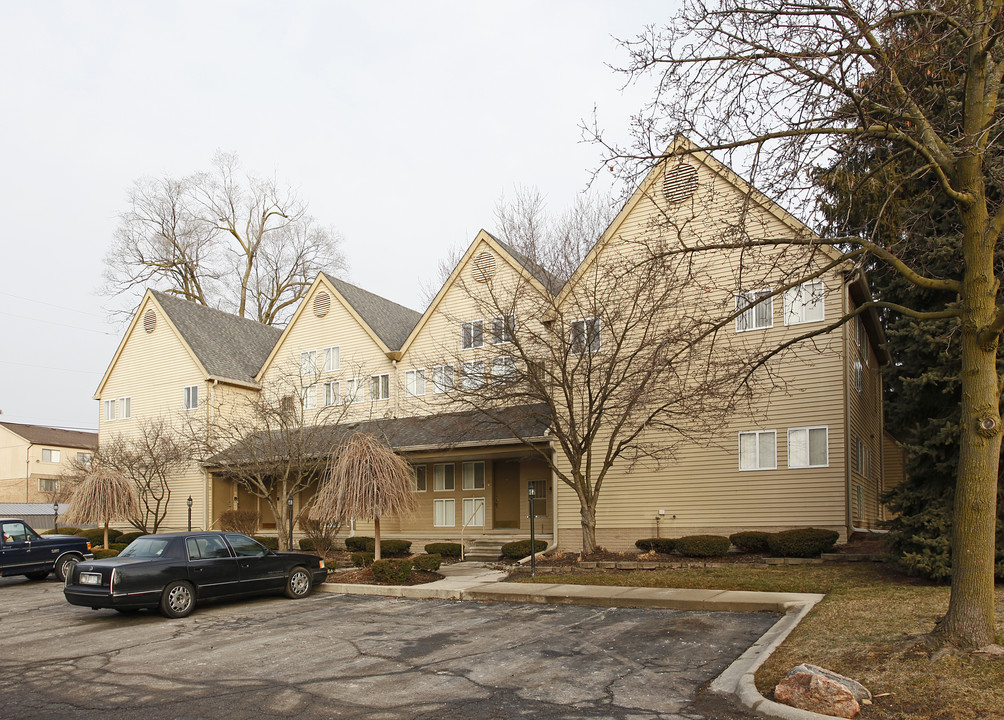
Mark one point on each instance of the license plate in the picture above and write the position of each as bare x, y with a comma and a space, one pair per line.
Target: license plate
90, 578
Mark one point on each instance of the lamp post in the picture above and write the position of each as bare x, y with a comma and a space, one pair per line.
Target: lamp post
530, 493
289, 504
55, 515
189, 503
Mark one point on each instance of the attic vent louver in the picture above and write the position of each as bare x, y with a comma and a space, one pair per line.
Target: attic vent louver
149, 321
679, 183
322, 303
484, 267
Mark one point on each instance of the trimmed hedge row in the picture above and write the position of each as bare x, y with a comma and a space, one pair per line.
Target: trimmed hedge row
391, 570
521, 549
429, 562
799, 542
802, 542
659, 545
361, 543
751, 541
451, 550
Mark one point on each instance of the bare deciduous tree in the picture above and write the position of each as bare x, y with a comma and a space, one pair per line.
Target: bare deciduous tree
102, 496
235, 241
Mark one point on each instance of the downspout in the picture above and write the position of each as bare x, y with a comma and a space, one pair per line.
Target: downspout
27, 471
207, 474
846, 357
397, 394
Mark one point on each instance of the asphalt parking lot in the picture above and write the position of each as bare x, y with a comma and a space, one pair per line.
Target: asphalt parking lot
339, 656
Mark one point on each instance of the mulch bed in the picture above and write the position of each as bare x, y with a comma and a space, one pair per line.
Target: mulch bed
364, 576
571, 560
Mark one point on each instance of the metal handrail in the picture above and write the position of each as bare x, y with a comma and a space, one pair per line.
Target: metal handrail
463, 529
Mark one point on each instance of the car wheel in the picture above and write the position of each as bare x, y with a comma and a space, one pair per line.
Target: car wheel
178, 599
40, 575
64, 565
298, 585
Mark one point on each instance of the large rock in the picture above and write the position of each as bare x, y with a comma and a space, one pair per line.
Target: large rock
818, 693
861, 693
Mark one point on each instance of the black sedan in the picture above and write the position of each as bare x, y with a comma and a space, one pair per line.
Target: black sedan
173, 571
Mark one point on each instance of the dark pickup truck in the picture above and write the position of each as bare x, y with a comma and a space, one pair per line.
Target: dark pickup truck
24, 552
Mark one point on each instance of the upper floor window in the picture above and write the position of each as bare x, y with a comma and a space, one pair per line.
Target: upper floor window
308, 363
355, 390
473, 375
50, 485
474, 476
807, 447
331, 393
758, 450
442, 379
804, 303
125, 408
504, 367
443, 479
308, 394
191, 397
502, 329
109, 409
585, 336
861, 337
84, 459
332, 358
50, 456
379, 387
419, 481
862, 457
414, 382
755, 313
472, 334
859, 375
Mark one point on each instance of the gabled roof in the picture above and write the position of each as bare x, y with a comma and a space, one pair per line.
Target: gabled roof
548, 280
391, 322
44, 435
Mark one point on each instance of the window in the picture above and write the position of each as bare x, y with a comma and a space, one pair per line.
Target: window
191, 397
758, 450
860, 498
287, 405
444, 513
331, 394
332, 358
443, 479
308, 363
756, 314
804, 303
862, 458
860, 336
442, 379
51, 456
504, 367
414, 383
585, 336
473, 374
379, 387
125, 408
540, 503
308, 395
474, 476
807, 447
109, 409
419, 481
84, 459
355, 390
502, 329
474, 511
48, 485
859, 375
472, 334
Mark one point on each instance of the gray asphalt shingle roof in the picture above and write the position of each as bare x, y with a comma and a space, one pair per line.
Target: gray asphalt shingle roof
391, 322
549, 281
227, 346
44, 435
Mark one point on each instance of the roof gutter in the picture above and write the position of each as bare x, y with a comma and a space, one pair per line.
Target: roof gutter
231, 381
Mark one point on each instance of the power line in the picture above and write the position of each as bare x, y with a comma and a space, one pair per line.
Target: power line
53, 322
47, 367
61, 307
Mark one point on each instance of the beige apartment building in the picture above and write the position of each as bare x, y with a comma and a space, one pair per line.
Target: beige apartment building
802, 445
34, 458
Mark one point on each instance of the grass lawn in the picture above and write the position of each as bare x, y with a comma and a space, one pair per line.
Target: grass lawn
866, 628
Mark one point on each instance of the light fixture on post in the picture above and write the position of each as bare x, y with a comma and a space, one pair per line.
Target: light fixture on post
531, 491
55, 515
289, 503
189, 503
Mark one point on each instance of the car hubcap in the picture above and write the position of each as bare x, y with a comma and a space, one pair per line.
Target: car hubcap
299, 583
179, 599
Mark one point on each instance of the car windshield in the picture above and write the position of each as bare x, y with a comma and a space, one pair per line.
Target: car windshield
146, 547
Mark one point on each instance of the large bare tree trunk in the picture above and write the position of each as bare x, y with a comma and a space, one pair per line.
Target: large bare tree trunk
376, 538
587, 513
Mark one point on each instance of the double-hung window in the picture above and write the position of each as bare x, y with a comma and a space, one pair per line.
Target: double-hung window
125, 408
308, 395
444, 512
48, 485
585, 336
332, 358
355, 390
862, 457
419, 481
50, 456
443, 479
807, 447
414, 382
331, 394
504, 367
473, 374
474, 476
109, 409
756, 312
502, 329
84, 459
859, 375
473, 509
442, 379
758, 450
191, 397
804, 303
308, 363
472, 334
379, 387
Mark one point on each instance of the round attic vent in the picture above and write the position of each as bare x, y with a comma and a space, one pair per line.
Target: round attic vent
484, 267
679, 183
149, 321
322, 303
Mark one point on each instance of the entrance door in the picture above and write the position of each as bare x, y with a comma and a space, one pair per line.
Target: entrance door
505, 488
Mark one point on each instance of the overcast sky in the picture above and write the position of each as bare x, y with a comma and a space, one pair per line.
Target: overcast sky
401, 123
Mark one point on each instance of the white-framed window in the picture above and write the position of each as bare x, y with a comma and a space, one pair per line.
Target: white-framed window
414, 382
804, 303
332, 396
756, 313
859, 497
444, 512
109, 409
473, 509
472, 374
308, 394
860, 338
585, 336
502, 329
379, 387
50, 456
308, 363
472, 334
125, 408
442, 379
859, 375
355, 390
443, 479
862, 457
504, 367
419, 479
332, 358
48, 485
808, 447
474, 476
758, 450
84, 458
191, 397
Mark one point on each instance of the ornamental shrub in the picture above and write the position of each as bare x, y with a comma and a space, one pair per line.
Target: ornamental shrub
802, 542
269, 541
101, 553
129, 537
245, 522
390, 548
521, 549
659, 545
362, 559
96, 536
751, 541
359, 543
703, 545
61, 531
429, 562
392, 570
320, 536
118, 546
451, 550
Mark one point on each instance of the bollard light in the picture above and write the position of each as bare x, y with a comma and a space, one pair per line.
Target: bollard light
289, 502
189, 503
531, 492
